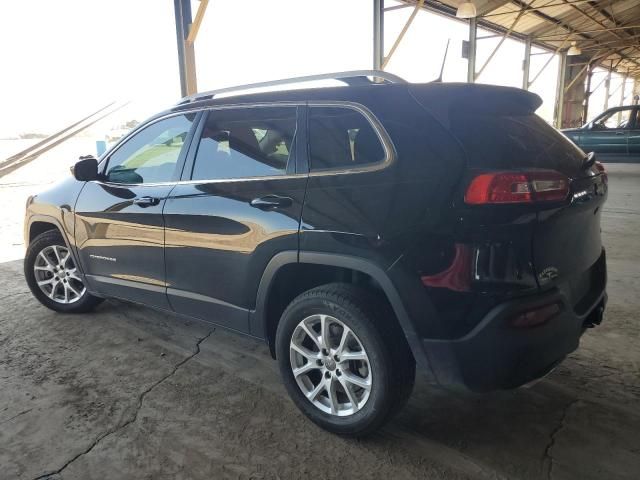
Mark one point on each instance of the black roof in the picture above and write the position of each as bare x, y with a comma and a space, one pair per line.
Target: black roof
463, 95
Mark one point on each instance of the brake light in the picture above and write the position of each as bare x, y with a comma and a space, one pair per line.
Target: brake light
517, 187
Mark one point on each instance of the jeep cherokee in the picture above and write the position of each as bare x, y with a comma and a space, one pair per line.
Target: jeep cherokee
360, 230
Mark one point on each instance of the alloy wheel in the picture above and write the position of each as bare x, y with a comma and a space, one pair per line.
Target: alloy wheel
330, 365
57, 275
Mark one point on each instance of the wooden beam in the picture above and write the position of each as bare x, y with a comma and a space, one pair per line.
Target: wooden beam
195, 26
576, 78
600, 30
548, 61
402, 33
504, 37
532, 8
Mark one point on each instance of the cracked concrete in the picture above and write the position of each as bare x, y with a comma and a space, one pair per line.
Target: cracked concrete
134, 417
128, 392
548, 451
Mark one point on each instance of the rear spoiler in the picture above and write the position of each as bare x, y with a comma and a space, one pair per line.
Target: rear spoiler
443, 99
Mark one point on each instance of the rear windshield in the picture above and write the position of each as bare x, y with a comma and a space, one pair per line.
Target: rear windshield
515, 141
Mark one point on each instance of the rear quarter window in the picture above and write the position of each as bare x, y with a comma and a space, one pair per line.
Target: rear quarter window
341, 137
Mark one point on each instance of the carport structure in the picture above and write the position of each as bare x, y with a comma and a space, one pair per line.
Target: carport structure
585, 34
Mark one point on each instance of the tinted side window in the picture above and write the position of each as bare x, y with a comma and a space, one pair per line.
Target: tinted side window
341, 137
616, 119
245, 142
152, 154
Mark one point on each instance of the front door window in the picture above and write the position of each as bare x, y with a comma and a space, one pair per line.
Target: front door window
151, 155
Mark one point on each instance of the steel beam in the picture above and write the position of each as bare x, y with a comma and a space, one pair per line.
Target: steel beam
186, 52
378, 34
504, 37
402, 33
607, 87
550, 36
587, 95
532, 9
560, 90
526, 64
181, 33
473, 37
623, 90
546, 64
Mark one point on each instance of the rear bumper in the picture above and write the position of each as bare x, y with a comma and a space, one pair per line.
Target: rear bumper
496, 355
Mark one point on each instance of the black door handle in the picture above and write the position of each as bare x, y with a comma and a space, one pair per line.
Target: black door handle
146, 201
271, 202
620, 133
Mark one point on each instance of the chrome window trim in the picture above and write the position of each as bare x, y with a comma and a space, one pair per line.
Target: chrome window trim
378, 128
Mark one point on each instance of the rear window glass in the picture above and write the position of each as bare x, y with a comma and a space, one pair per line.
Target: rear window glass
514, 141
341, 138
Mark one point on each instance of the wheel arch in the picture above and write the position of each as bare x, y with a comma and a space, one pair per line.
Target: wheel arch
39, 224
261, 322
38, 227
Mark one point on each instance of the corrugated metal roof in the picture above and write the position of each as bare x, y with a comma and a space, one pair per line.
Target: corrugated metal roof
607, 31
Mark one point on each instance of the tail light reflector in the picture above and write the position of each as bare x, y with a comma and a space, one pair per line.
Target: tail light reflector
457, 276
517, 187
535, 317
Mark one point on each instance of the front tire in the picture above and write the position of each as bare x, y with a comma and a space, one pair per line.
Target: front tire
343, 359
53, 277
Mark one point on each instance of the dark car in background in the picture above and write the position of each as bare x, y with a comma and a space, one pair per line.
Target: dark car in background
614, 135
358, 230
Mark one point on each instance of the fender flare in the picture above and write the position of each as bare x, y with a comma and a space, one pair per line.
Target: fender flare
258, 317
58, 225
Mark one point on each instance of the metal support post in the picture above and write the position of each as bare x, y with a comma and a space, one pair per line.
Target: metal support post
181, 33
526, 64
587, 94
378, 34
473, 36
622, 92
607, 87
560, 90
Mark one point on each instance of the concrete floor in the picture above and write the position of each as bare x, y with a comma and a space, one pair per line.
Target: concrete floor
127, 392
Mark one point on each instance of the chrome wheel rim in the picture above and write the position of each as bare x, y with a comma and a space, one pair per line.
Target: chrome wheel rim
57, 275
330, 365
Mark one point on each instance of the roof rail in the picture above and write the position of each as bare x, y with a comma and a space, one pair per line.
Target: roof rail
354, 77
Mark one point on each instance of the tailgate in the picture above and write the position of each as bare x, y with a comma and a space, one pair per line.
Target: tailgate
565, 240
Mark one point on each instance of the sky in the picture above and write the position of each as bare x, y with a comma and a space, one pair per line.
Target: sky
64, 59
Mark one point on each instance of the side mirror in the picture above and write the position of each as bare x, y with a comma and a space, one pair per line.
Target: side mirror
85, 169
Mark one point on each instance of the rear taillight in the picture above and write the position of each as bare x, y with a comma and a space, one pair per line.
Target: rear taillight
517, 187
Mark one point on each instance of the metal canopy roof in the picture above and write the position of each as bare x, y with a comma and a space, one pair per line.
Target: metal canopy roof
607, 31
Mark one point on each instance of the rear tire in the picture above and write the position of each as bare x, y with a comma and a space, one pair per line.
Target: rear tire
358, 372
53, 277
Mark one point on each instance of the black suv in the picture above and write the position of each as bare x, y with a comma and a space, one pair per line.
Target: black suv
359, 230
